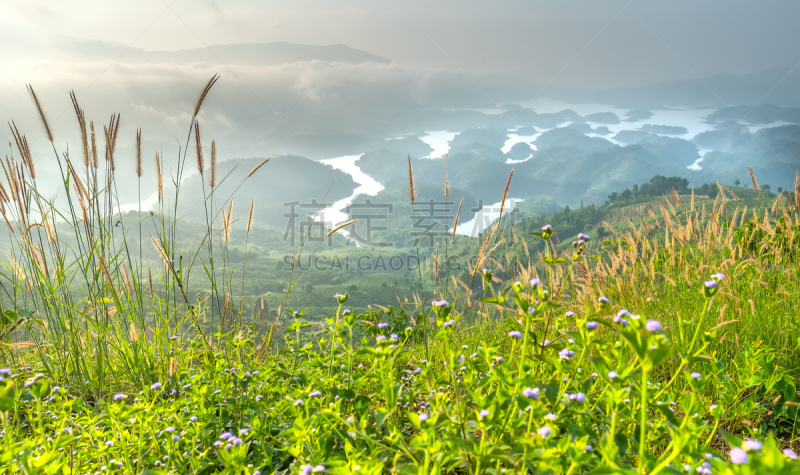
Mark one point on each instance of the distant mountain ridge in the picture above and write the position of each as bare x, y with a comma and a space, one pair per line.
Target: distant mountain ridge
262, 54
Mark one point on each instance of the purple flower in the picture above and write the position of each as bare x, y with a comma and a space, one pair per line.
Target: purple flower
612, 375
591, 325
383, 325
156, 386
739, 456
566, 354
588, 448
394, 337
484, 413
653, 326
169, 429
696, 375
314, 393
535, 283
569, 313
380, 338
718, 276
439, 303
225, 436
711, 284
515, 334
346, 311
531, 393
584, 237
193, 419
603, 300
580, 397
547, 227
751, 444
298, 402
423, 416
119, 397
790, 453
545, 432
175, 438
5, 371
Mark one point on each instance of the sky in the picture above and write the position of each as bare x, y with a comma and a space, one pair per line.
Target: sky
599, 42
440, 55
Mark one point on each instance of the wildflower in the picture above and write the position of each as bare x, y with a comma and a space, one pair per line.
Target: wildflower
566, 354
718, 276
169, 429
547, 227
546, 342
591, 325
298, 402
580, 397
515, 334
341, 298
484, 413
225, 436
531, 393
588, 448
603, 301
109, 443
569, 313
394, 337
751, 444
119, 397
739, 456
155, 386
550, 416
307, 469
696, 375
423, 416
545, 432
535, 283
5, 371
653, 326
346, 311
380, 338
711, 284
175, 438
383, 325
439, 303
790, 453
193, 419
612, 375
584, 237
314, 393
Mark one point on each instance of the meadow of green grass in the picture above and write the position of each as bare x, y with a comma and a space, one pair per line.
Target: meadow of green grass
664, 340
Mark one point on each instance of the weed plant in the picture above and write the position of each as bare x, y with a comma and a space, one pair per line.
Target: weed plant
669, 348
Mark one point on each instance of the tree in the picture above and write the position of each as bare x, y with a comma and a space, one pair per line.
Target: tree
736, 182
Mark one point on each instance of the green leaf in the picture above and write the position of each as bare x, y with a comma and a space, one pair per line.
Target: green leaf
553, 260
